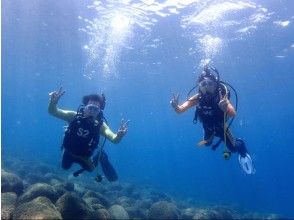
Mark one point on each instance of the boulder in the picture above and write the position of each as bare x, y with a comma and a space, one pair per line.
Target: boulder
124, 201
163, 210
102, 200
69, 186
71, 206
118, 212
39, 208
97, 206
187, 213
92, 201
8, 201
36, 190
215, 213
115, 186
11, 183
99, 214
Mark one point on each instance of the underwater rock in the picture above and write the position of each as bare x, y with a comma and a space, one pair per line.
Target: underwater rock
69, 186
71, 206
102, 200
33, 178
90, 193
137, 213
11, 183
36, 190
48, 177
255, 215
158, 196
124, 201
44, 168
215, 213
99, 214
128, 188
92, 201
79, 189
187, 213
118, 212
39, 208
274, 217
144, 204
53, 182
97, 206
205, 214
163, 210
115, 187
8, 201
62, 188
113, 195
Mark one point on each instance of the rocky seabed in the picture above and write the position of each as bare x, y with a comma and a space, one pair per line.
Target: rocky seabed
31, 190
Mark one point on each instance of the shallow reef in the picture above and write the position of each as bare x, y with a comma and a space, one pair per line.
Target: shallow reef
32, 190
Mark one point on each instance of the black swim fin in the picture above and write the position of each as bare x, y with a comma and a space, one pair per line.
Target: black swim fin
107, 168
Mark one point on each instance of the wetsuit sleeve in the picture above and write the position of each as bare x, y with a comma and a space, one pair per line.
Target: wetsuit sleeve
65, 115
109, 134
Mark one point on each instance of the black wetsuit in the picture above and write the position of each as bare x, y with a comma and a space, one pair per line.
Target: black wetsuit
80, 141
212, 118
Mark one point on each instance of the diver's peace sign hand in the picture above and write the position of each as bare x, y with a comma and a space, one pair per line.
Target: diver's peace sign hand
175, 101
55, 96
223, 103
123, 127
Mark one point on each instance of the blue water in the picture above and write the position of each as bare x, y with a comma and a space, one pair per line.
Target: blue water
139, 53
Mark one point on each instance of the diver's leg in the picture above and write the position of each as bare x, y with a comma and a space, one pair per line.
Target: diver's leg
208, 135
96, 158
229, 141
235, 145
85, 162
67, 160
241, 147
107, 168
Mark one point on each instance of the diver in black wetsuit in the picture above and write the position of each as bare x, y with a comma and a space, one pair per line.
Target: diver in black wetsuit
81, 137
213, 108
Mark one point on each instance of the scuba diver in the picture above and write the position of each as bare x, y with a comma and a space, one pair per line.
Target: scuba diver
82, 135
213, 108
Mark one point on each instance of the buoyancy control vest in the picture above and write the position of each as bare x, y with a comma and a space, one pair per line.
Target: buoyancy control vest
208, 110
82, 135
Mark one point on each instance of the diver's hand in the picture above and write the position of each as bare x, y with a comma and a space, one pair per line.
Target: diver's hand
123, 128
55, 96
175, 101
223, 103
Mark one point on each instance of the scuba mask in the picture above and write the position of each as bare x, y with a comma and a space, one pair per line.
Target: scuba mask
92, 110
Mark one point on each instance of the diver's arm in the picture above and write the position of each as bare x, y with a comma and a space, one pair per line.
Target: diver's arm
187, 104
224, 104
110, 135
59, 113
231, 110
227, 107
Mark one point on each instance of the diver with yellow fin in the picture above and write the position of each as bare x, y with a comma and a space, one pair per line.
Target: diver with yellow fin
213, 108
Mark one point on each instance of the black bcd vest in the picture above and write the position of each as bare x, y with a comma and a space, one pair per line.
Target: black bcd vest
208, 110
81, 137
